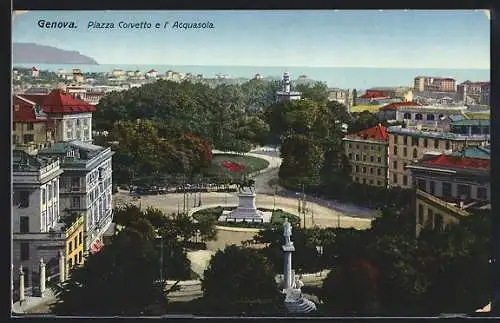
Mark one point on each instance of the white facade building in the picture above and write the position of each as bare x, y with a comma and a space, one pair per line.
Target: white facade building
86, 185
35, 212
427, 115
286, 94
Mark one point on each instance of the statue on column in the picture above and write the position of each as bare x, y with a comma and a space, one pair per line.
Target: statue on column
287, 232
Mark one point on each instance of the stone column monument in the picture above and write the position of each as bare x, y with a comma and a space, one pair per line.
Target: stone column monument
62, 267
42, 277
288, 248
295, 302
21, 284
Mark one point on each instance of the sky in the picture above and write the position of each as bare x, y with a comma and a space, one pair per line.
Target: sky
334, 38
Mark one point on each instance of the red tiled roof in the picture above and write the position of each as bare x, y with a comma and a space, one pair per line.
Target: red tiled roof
396, 105
58, 101
372, 95
24, 111
458, 162
378, 132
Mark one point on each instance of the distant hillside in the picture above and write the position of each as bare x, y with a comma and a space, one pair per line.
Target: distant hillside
41, 54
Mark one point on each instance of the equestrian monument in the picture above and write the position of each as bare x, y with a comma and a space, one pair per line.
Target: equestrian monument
246, 211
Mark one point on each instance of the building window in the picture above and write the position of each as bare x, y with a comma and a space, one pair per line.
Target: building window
350, 156
70, 246
430, 216
25, 251
356, 179
357, 146
364, 170
407, 116
70, 263
357, 157
75, 202
395, 150
395, 140
394, 178
414, 141
24, 199
349, 145
482, 193
441, 117
379, 171
426, 142
379, 183
44, 197
446, 190
80, 257
371, 182
24, 224
372, 159
371, 170
420, 214
447, 147
405, 180
421, 184
28, 138
75, 183
436, 143
395, 164
30, 126
405, 152
430, 117
405, 140
379, 159
432, 187
418, 116
357, 169
13, 126
364, 180
80, 235
415, 153
55, 190
364, 157
438, 222
463, 192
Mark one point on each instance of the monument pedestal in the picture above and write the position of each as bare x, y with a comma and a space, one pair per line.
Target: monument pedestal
246, 211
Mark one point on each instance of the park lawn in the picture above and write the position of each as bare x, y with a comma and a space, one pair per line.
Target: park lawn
277, 217
369, 108
252, 164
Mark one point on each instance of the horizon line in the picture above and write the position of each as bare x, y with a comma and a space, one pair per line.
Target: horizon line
266, 66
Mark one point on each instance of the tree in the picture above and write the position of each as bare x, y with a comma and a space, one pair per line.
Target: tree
239, 274
351, 288
354, 97
119, 280
317, 92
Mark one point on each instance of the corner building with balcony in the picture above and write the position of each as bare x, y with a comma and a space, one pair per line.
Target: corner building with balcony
86, 186
367, 154
451, 187
409, 145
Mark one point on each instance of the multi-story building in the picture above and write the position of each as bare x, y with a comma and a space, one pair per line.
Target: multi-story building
388, 111
35, 211
152, 73
474, 92
31, 129
35, 72
434, 84
367, 153
450, 187
75, 244
430, 115
409, 145
286, 94
70, 118
86, 186
340, 95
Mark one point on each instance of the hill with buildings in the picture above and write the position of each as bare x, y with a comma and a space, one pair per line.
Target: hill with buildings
41, 54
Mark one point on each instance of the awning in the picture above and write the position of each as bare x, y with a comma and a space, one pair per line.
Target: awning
485, 309
96, 246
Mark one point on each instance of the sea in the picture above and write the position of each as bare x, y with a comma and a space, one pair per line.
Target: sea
341, 77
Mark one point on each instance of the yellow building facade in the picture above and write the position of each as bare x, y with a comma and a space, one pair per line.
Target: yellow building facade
367, 154
410, 145
75, 244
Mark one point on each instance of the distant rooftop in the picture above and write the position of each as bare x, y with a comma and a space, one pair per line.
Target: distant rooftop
474, 152
24, 162
435, 134
80, 151
37, 90
472, 122
378, 133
